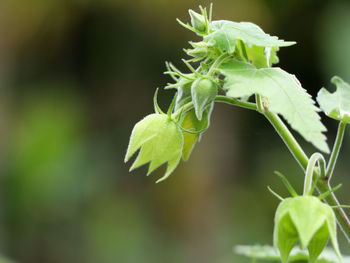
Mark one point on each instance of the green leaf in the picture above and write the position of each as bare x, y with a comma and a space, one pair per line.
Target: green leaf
160, 140
226, 34
284, 95
203, 93
262, 57
307, 219
268, 253
190, 122
336, 105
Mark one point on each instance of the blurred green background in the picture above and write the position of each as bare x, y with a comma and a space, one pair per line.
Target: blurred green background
76, 75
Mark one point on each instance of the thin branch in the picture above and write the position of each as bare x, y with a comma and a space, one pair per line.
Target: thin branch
336, 150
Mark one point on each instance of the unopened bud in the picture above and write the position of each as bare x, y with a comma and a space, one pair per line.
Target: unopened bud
198, 21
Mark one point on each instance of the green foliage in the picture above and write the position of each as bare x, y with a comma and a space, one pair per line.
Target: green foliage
283, 93
235, 62
262, 57
226, 34
305, 219
160, 140
336, 105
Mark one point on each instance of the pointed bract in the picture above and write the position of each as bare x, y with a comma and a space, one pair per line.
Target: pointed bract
160, 140
307, 220
183, 94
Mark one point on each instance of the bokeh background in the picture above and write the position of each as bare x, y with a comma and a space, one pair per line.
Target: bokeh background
76, 75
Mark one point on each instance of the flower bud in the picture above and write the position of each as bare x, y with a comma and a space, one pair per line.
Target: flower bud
308, 220
200, 50
203, 93
198, 21
160, 140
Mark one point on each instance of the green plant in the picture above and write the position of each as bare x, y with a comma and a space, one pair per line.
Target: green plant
235, 66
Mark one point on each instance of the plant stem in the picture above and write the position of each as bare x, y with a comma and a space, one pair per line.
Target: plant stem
287, 138
232, 101
302, 159
336, 149
219, 98
259, 103
315, 158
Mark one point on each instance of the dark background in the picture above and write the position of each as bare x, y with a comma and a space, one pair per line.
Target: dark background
76, 75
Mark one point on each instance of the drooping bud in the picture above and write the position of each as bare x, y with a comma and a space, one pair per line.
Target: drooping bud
308, 220
160, 140
203, 93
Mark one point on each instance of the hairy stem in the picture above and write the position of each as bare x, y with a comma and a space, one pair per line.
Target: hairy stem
302, 159
232, 101
219, 98
336, 149
287, 138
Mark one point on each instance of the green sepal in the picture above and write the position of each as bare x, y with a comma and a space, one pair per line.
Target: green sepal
177, 75
190, 122
318, 241
285, 237
199, 51
200, 22
160, 140
336, 105
307, 220
157, 109
172, 106
203, 93
180, 82
183, 94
